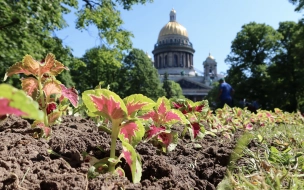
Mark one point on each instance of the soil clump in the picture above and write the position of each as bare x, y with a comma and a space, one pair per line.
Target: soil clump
26, 162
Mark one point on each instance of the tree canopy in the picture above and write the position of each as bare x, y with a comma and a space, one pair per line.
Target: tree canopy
299, 4
26, 27
139, 76
266, 65
251, 53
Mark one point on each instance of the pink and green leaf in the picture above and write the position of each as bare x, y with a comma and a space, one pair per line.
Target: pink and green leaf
168, 140
120, 171
201, 106
105, 103
46, 130
163, 114
53, 117
171, 117
132, 132
179, 117
51, 87
133, 160
28, 66
138, 102
30, 86
5, 108
71, 94
152, 114
249, 126
154, 131
163, 106
51, 66
196, 129
20, 101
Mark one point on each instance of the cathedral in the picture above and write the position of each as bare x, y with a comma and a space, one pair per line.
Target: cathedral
173, 54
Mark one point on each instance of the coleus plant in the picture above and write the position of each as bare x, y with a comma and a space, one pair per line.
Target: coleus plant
42, 86
123, 115
195, 113
161, 119
16, 102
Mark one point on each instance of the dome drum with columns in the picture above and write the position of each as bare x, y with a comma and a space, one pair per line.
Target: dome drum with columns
173, 54
173, 48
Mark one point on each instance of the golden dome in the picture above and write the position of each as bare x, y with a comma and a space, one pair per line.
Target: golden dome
210, 56
173, 28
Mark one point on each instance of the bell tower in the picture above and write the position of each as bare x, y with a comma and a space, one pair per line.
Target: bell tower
210, 70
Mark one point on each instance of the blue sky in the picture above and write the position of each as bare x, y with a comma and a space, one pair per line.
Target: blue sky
211, 24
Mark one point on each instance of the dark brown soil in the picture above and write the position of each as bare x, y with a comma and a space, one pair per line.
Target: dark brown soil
25, 162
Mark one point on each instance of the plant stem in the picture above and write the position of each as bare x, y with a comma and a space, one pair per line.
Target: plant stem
114, 135
43, 104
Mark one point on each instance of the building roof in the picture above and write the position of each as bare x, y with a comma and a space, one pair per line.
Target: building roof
173, 27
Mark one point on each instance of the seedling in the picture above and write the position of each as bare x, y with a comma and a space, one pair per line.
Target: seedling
162, 118
123, 115
195, 113
42, 86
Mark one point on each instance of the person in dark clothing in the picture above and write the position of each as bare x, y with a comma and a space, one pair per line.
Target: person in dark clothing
225, 93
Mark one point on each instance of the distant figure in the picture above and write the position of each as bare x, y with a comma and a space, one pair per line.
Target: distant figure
256, 105
225, 93
242, 103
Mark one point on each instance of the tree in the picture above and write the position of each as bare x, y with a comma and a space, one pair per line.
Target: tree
26, 26
138, 76
167, 87
171, 88
286, 71
212, 96
299, 4
100, 65
251, 52
176, 89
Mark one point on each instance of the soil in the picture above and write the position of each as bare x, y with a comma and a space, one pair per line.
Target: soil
25, 162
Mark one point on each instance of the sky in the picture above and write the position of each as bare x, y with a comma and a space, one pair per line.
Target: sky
211, 25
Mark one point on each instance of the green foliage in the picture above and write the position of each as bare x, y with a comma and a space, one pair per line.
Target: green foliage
286, 72
100, 65
177, 91
172, 89
108, 22
299, 4
274, 162
167, 87
26, 28
212, 96
268, 57
262, 57
138, 75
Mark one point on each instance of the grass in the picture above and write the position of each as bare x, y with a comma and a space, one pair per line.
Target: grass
267, 158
